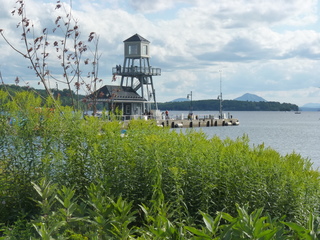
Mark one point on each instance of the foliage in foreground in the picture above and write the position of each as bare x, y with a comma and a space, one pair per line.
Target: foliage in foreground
65, 177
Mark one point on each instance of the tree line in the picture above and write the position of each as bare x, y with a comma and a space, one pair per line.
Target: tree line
227, 105
200, 105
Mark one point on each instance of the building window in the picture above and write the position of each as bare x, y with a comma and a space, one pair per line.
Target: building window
144, 50
133, 49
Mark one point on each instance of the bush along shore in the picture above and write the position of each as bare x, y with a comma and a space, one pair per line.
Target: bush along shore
65, 177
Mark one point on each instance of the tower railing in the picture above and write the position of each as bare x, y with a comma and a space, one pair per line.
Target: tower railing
134, 70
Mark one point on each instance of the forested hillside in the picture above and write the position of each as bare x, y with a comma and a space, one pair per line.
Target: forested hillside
228, 105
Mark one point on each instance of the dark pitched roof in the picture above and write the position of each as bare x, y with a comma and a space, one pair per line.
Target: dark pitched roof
116, 93
136, 38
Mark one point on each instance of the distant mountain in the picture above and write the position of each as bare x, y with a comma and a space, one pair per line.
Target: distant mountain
180, 100
310, 107
251, 98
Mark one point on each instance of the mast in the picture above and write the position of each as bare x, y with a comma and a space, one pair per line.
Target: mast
220, 97
191, 107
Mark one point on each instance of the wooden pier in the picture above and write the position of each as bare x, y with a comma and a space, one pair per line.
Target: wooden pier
173, 123
179, 121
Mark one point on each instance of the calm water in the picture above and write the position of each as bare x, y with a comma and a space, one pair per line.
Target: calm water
286, 132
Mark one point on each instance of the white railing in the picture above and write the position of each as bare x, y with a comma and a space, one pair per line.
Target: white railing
137, 70
123, 117
158, 117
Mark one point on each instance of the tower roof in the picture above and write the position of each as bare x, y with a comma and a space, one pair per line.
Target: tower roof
136, 38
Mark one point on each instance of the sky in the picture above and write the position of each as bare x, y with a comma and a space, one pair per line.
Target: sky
270, 48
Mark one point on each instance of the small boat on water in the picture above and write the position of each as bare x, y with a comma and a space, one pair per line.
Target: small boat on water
236, 123
297, 112
228, 123
232, 123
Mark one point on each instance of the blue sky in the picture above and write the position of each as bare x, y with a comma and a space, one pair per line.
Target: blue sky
268, 48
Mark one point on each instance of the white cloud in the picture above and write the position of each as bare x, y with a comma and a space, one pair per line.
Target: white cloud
147, 6
269, 47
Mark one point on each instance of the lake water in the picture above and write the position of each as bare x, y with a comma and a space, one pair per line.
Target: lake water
285, 132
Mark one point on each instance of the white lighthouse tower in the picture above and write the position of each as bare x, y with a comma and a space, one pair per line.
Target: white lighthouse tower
136, 71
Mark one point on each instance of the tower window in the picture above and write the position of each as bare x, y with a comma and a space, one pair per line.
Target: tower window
145, 50
133, 49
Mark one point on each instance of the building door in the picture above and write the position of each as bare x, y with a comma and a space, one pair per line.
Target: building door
127, 109
137, 109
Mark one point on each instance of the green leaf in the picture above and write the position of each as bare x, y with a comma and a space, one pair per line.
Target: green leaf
208, 221
300, 230
227, 217
267, 234
197, 232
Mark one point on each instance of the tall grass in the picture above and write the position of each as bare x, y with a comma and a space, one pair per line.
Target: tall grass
65, 175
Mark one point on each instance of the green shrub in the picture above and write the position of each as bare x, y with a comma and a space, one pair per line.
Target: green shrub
156, 168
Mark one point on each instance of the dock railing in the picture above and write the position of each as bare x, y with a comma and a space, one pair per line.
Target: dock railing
157, 117
178, 121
